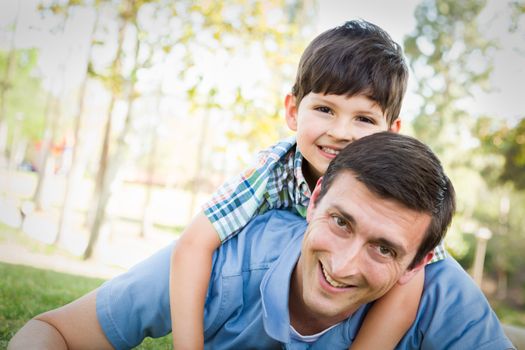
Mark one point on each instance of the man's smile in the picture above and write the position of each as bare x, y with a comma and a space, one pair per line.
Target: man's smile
331, 281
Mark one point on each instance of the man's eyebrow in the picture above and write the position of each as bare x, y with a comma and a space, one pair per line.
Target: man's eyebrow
398, 248
348, 217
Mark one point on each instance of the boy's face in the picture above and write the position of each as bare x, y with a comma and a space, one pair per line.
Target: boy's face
325, 124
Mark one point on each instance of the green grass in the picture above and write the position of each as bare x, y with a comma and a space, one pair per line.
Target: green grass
508, 314
26, 292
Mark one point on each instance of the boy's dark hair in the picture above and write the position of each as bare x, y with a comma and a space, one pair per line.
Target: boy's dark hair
355, 58
403, 169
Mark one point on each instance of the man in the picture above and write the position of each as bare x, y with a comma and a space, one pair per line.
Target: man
373, 220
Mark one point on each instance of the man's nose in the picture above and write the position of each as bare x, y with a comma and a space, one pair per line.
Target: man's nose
345, 260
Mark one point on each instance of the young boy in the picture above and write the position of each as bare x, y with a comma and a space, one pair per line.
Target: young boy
350, 83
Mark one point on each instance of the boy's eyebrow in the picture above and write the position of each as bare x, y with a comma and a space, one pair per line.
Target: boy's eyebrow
371, 114
368, 112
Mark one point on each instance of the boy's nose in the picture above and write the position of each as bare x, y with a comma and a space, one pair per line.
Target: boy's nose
341, 132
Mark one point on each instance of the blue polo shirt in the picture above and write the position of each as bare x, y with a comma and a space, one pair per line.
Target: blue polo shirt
247, 301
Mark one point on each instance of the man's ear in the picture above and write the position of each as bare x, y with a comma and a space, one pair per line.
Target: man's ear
407, 276
313, 199
396, 126
290, 108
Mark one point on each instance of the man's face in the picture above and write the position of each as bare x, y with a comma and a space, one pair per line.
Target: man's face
356, 247
325, 124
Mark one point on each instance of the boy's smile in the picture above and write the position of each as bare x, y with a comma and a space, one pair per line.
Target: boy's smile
325, 124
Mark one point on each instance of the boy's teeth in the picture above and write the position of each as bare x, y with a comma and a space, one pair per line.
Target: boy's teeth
332, 282
330, 150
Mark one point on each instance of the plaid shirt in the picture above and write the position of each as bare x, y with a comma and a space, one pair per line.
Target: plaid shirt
275, 182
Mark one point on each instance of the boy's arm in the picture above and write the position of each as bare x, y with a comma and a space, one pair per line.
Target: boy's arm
73, 326
190, 272
391, 316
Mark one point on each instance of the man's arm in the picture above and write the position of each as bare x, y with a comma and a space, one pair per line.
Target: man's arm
73, 326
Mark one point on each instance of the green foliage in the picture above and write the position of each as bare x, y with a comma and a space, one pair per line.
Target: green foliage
514, 153
506, 145
273, 28
509, 315
518, 7
451, 59
25, 97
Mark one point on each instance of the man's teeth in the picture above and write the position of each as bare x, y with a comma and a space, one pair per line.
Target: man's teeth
330, 150
331, 281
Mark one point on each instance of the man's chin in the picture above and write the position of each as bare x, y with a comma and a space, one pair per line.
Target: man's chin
328, 310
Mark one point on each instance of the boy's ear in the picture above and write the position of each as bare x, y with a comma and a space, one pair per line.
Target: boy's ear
313, 199
396, 126
407, 276
291, 111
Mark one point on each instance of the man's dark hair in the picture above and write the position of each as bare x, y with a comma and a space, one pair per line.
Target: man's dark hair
353, 59
403, 169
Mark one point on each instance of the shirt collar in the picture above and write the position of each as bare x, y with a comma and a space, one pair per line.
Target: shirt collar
302, 185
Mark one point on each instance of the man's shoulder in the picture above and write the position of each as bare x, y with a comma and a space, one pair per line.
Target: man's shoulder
449, 275
263, 239
274, 225
449, 288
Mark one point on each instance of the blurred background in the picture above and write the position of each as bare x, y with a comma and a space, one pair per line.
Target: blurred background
118, 119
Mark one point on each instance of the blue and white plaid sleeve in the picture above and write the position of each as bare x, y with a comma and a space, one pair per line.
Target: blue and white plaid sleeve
239, 199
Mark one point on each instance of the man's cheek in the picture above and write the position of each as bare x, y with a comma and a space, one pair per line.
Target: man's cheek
319, 241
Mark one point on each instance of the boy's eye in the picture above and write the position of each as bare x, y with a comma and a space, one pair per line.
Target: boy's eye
366, 119
324, 109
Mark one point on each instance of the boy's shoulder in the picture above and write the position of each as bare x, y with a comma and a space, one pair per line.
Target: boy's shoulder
283, 154
279, 150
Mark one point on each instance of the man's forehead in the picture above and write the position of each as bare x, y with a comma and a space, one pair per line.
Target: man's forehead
383, 218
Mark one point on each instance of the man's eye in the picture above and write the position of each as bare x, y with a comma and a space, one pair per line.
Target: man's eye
386, 251
340, 222
323, 109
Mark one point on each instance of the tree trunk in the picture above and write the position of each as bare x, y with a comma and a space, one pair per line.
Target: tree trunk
52, 118
146, 212
198, 164
6, 84
76, 167
101, 189
51, 121
108, 168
